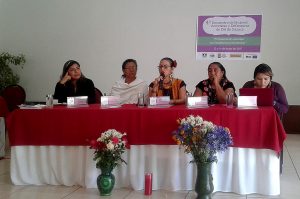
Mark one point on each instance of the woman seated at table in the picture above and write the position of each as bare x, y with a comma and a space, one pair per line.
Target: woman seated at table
217, 86
129, 85
263, 79
166, 84
74, 83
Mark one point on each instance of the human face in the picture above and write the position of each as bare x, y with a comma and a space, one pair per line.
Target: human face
165, 68
262, 80
215, 72
75, 72
130, 70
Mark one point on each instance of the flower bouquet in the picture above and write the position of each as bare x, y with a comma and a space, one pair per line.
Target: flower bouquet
203, 140
108, 150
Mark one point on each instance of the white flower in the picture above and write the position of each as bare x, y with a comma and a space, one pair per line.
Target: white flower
192, 120
209, 126
182, 121
110, 146
199, 120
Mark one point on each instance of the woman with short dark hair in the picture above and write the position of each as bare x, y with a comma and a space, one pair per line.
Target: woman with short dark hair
263, 79
129, 85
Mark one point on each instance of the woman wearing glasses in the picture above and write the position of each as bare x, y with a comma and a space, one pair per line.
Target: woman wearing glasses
166, 84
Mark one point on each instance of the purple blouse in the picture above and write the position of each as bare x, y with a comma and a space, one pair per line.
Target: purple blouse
280, 101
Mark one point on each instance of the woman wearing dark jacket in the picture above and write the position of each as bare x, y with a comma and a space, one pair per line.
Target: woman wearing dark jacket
74, 83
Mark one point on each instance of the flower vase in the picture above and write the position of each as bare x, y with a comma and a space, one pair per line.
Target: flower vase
106, 182
204, 181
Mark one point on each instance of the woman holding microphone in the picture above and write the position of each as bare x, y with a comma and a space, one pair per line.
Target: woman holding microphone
166, 84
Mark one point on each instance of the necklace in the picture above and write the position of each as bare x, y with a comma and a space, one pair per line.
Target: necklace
167, 85
169, 82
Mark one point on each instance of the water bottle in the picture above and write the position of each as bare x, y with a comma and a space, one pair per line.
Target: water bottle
141, 102
229, 100
49, 100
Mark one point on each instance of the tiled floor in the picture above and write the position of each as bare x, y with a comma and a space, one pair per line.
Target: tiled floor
290, 184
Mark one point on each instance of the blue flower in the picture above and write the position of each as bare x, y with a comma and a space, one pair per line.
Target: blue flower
201, 138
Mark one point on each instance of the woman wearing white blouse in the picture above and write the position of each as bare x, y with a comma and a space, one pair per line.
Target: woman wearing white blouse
129, 85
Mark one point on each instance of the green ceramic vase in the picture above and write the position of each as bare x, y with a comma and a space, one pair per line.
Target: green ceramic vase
106, 182
204, 181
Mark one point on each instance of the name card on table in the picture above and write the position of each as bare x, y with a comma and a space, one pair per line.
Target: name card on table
161, 101
247, 102
197, 102
110, 101
79, 101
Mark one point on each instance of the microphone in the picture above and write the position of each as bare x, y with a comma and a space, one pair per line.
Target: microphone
161, 77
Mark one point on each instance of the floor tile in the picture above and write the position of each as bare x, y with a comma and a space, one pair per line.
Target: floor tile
4, 166
94, 194
43, 192
219, 195
159, 194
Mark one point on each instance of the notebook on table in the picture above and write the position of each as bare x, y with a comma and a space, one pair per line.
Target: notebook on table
265, 96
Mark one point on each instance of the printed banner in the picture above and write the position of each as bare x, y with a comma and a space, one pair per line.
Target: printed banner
235, 37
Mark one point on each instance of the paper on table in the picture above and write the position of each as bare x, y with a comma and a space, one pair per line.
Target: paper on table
247, 102
36, 106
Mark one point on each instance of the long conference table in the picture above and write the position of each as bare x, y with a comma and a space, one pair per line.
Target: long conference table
51, 146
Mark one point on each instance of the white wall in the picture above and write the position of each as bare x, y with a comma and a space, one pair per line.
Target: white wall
101, 34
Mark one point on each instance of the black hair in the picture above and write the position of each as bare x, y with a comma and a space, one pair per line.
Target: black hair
221, 67
126, 62
67, 65
172, 62
263, 68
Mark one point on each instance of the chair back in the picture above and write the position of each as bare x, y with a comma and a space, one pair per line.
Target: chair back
3, 107
98, 95
14, 95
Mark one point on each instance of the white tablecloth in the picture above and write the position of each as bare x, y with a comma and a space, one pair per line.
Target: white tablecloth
2, 137
239, 170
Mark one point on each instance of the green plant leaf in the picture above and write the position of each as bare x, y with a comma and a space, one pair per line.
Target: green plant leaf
7, 76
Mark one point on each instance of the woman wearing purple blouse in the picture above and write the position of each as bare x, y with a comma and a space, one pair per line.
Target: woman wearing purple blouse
263, 79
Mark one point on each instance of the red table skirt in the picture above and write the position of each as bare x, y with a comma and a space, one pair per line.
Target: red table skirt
250, 128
